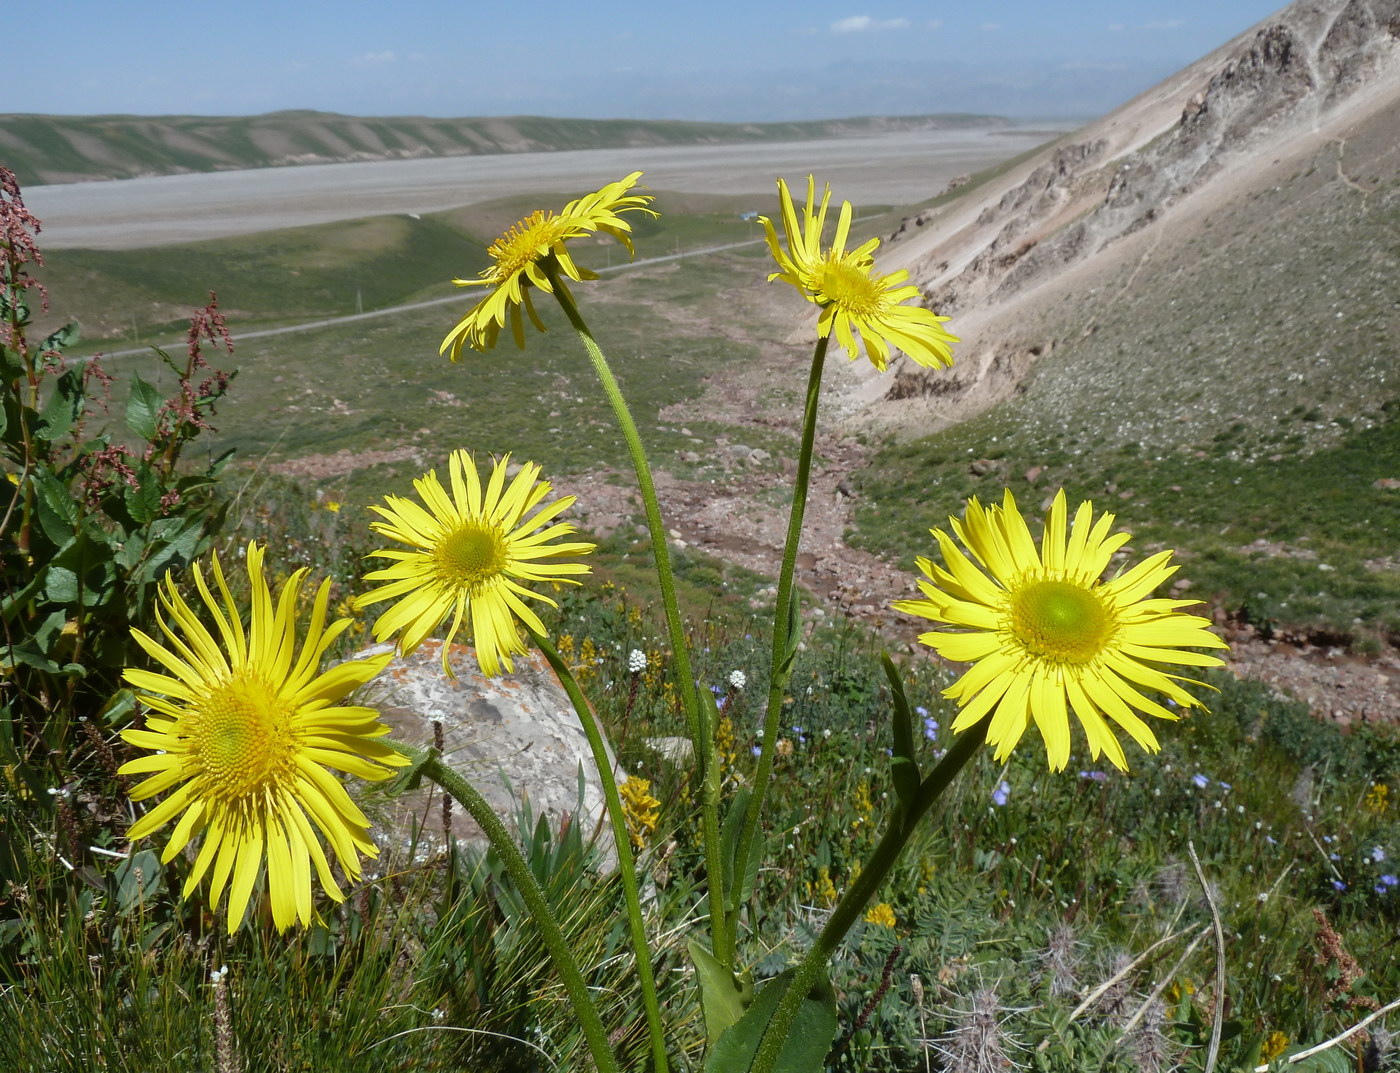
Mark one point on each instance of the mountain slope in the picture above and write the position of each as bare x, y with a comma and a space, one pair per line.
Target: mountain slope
1218, 249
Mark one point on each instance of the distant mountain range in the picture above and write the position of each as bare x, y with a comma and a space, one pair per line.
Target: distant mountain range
65, 149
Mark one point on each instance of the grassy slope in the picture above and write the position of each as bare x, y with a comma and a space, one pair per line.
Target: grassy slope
53, 149
1242, 388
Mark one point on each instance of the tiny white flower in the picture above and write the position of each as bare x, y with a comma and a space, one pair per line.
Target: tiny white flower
738, 679
826, 733
636, 661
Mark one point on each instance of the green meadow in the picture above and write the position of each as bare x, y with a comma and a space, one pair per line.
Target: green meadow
1227, 903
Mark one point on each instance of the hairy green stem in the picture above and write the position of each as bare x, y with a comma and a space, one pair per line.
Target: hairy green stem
626, 866
697, 721
540, 912
780, 667
901, 828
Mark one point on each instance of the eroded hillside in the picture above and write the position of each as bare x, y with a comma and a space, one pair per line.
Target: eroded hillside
1218, 250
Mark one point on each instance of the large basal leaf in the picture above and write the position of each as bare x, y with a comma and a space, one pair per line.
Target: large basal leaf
722, 997
804, 1049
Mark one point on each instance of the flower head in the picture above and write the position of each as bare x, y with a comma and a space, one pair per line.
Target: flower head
640, 811
471, 555
246, 726
853, 298
1046, 635
882, 914
520, 255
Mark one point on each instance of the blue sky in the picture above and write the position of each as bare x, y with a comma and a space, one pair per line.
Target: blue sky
713, 60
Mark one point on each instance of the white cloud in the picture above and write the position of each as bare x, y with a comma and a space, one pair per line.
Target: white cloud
1116, 27
861, 23
376, 59
934, 24
1164, 24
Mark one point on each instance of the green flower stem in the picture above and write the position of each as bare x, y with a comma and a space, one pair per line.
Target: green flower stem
626, 866
780, 669
697, 722
519, 871
902, 826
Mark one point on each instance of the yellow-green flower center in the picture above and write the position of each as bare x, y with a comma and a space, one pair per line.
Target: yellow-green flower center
849, 286
243, 737
527, 241
470, 555
1060, 621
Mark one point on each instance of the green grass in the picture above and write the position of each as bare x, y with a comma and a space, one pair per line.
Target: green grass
424, 957
1327, 524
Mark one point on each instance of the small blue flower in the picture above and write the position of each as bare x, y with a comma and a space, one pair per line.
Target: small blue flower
1334, 856
1380, 889
1001, 794
1093, 776
1377, 854
921, 711
930, 728
1271, 840
756, 750
1389, 880
1338, 884
1200, 780
1225, 786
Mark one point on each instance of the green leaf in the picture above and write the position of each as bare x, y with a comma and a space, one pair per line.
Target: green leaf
794, 634
723, 997
61, 339
63, 409
411, 777
137, 880
730, 830
806, 1046
142, 406
143, 501
1332, 1060
12, 303
904, 768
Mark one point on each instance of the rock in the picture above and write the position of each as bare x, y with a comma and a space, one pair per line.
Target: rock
515, 737
689, 457
739, 451
980, 467
1386, 482
758, 455
677, 749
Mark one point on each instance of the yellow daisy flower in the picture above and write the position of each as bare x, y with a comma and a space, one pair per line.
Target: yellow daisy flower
519, 253
1046, 635
246, 726
468, 554
854, 300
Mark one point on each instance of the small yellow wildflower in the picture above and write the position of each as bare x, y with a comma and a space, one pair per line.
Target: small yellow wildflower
1274, 1045
639, 809
1378, 798
823, 892
882, 914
